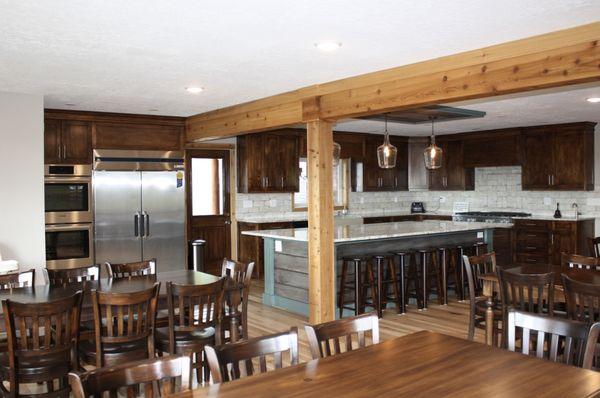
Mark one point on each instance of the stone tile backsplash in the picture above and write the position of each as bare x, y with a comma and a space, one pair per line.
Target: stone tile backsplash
496, 188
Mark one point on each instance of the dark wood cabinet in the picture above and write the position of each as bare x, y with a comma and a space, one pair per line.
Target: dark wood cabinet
67, 142
377, 179
268, 162
543, 241
250, 248
558, 157
138, 136
452, 176
493, 148
503, 241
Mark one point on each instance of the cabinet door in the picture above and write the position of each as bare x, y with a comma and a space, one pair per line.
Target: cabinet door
569, 172
287, 169
562, 240
453, 162
255, 153
537, 160
372, 173
76, 142
399, 177
52, 148
271, 166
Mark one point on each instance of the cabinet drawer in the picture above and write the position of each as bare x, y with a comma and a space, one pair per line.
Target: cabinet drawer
531, 259
564, 226
532, 238
532, 224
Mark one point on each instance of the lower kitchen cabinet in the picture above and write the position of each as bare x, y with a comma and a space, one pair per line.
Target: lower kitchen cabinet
407, 217
543, 241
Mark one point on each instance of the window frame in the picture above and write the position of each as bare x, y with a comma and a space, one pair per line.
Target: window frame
346, 178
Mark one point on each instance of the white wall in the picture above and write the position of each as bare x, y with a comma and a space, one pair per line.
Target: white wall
22, 180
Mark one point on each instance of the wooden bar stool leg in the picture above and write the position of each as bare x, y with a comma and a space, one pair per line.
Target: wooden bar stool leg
378, 264
401, 260
444, 265
435, 262
342, 292
358, 307
460, 263
424, 276
371, 277
393, 277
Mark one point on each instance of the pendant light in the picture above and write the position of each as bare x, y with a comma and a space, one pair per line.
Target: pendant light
386, 153
337, 150
433, 153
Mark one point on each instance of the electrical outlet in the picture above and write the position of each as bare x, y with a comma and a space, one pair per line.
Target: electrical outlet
442, 199
547, 201
278, 246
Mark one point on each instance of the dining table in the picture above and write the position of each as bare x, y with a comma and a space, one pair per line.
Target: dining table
489, 283
46, 293
422, 364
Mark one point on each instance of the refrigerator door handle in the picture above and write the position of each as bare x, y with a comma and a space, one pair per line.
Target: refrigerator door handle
136, 224
147, 224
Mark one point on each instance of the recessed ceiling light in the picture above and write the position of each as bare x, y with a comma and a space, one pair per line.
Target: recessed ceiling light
194, 89
593, 100
328, 46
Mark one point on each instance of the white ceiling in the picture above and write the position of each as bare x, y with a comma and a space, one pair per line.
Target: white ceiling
137, 56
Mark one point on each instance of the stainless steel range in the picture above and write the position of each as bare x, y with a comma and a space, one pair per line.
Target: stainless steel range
505, 217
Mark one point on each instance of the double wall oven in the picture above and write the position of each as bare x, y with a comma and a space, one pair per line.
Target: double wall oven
69, 216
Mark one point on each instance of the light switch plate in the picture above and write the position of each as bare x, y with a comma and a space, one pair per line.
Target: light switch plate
479, 235
278, 246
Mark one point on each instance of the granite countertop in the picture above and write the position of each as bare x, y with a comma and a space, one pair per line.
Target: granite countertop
549, 217
303, 216
351, 233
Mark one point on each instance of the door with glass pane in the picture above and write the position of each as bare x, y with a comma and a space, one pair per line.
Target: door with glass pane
208, 199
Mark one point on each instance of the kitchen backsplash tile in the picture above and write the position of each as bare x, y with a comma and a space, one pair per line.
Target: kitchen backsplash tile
496, 188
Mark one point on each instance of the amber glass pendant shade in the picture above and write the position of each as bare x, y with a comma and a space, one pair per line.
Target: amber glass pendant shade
433, 154
387, 153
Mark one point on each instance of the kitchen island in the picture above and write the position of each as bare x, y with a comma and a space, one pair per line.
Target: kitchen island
286, 251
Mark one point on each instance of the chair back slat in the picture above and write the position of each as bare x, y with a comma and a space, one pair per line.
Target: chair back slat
17, 279
582, 300
150, 373
349, 329
224, 359
574, 262
62, 277
475, 266
527, 292
129, 270
124, 318
556, 339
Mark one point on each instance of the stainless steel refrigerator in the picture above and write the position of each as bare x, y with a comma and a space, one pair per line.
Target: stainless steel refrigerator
139, 207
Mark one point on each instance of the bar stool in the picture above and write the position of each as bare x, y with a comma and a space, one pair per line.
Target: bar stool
456, 262
404, 260
357, 285
383, 263
480, 248
429, 268
443, 257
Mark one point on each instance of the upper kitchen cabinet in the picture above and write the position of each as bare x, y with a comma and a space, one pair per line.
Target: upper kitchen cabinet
268, 162
453, 175
377, 179
138, 136
559, 157
67, 142
493, 148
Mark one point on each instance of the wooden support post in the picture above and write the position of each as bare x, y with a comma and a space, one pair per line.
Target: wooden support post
321, 261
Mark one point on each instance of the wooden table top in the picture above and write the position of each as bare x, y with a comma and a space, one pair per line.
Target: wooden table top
40, 294
422, 364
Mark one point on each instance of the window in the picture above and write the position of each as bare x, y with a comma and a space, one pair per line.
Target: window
207, 187
340, 186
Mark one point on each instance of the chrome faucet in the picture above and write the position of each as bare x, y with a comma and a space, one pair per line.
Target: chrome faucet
576, 207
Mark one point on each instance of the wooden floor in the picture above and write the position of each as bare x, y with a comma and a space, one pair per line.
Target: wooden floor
451, 319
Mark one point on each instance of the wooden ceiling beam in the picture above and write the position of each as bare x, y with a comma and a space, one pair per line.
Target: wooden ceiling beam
564, 57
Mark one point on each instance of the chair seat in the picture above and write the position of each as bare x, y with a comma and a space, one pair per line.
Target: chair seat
36, 368
112, 353
184, 341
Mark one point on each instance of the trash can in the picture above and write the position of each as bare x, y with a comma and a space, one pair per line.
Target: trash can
196, 255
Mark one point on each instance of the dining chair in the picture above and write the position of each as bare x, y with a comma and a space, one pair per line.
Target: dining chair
474, 266
128, 270
526, 292
224, 360
235, 302
17, 279
123, 327
576, 262
42, 344
556, 339
195, 313
156, 374
594, 246
582, 300
61, 277
327, 339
